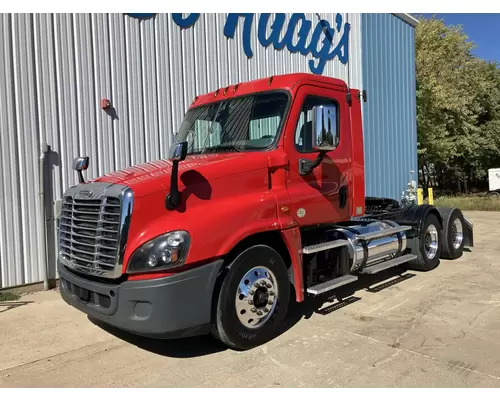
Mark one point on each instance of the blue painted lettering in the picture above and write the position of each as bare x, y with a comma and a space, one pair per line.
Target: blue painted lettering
320, 45
276, 28
187, 22
230, 29
304, 30
140, 15
343, 43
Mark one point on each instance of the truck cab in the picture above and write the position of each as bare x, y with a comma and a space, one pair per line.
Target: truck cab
261, 202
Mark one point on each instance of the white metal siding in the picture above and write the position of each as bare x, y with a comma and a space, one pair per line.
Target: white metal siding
56, 68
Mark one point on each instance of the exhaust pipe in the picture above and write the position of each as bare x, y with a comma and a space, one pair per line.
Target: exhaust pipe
42, 238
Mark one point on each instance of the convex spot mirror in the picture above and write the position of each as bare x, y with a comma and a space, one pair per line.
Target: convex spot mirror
324, 128
179, 151
80, 163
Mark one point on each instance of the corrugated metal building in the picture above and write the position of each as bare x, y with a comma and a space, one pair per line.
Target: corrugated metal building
56, 69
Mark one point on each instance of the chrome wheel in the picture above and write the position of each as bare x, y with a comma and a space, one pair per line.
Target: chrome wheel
431, 242
256, 297
457, 233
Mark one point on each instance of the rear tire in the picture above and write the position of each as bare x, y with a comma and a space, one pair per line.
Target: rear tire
253, 299
453, 233
427, 247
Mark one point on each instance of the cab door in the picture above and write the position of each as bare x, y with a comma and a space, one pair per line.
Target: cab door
322, 195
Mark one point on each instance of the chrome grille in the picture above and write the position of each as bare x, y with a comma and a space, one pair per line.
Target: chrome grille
91, 230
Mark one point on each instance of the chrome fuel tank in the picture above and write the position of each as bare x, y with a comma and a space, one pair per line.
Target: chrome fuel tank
364, 253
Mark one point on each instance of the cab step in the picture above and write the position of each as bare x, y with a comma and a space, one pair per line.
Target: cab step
330, 285
383, 233
387, 264
316, 248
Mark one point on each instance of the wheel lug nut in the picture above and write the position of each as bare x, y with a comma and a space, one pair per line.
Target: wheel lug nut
269, 286
263, 283
270, 302
250, 302
253, 309
256, 284
266, 310
259, 313
271, 293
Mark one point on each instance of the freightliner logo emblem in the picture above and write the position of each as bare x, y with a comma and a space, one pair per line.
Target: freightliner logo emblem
84, 194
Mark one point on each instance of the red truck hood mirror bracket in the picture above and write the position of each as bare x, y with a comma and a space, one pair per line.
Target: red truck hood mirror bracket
179, 153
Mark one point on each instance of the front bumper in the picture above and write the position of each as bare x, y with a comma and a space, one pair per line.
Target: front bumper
175, 306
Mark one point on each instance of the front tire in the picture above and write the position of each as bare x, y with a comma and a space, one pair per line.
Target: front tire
253, 299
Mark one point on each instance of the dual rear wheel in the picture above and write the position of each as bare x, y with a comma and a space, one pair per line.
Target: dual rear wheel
427, 246
438, 240
453, 233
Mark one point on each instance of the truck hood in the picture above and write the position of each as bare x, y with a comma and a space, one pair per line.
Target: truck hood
152, 177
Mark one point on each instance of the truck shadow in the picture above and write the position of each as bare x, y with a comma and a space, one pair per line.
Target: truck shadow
345, 296
203, 345
176, 348
10, 305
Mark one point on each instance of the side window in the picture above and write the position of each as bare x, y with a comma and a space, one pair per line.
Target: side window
303, 132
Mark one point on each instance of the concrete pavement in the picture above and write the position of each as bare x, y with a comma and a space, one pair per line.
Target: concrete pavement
435, 329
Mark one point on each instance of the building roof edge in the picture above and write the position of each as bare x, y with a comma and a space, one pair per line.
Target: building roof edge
408, 18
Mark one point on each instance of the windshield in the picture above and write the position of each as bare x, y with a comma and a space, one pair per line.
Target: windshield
246, 123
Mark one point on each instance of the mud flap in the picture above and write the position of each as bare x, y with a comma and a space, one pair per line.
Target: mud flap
468, 233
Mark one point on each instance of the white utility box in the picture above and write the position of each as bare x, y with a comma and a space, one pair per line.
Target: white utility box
494, 179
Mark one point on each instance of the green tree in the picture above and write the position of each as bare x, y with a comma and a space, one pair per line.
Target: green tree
458, 108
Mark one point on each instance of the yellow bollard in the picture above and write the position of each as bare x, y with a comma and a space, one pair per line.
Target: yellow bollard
420, 196
431, 196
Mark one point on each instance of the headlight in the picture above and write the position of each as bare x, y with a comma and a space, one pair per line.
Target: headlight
164, 252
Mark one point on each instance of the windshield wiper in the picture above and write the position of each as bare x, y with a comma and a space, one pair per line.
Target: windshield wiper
223, 147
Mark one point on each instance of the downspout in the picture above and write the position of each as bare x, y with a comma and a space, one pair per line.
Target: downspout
42, 242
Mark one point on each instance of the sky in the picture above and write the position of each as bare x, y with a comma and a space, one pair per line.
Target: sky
483, 29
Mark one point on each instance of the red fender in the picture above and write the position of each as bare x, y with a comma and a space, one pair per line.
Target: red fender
293, 242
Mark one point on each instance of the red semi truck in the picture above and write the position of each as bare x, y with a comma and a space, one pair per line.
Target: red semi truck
262, 201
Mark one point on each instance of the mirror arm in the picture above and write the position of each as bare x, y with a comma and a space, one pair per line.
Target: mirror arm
318, 160
307, 166
173, 198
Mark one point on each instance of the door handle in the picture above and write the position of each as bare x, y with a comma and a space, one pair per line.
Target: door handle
305, 166
343, 192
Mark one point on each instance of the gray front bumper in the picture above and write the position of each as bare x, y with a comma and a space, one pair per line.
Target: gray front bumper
175, 306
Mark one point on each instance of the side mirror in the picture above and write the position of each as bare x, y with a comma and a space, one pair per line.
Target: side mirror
324, 128
80, 164
324, 133
179, 151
